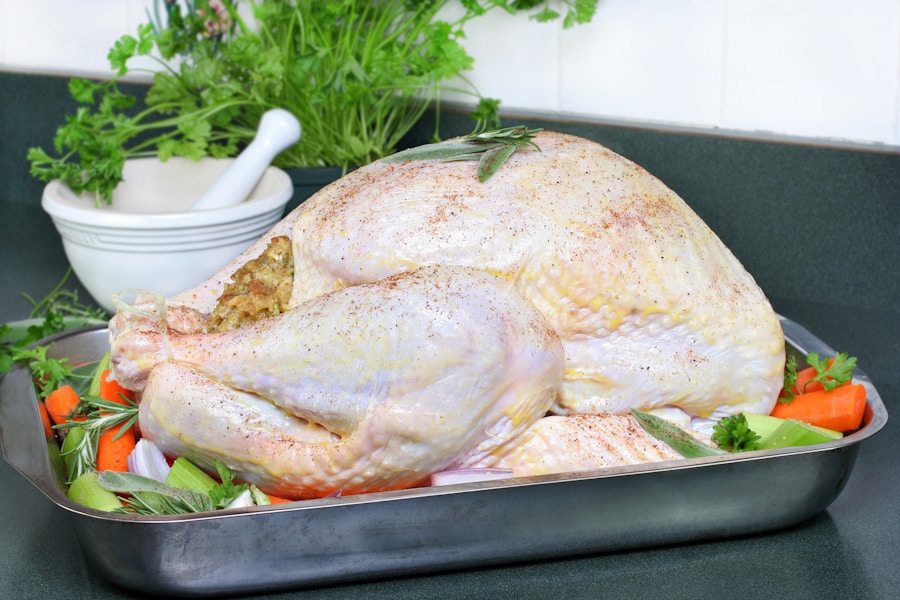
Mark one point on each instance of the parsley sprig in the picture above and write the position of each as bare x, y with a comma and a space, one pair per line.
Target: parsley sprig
734, 434
830, 372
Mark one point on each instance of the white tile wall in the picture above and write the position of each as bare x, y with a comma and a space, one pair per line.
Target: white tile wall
822, 69
646, 60
813, 67
60, 36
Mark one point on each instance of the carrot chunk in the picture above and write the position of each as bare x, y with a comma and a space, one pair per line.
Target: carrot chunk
110, 389
114, 445
840, 409
61, 404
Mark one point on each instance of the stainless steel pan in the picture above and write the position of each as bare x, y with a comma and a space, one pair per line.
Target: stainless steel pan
476, 524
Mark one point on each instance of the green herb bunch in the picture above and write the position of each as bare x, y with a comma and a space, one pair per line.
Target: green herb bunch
59, 311
357, 74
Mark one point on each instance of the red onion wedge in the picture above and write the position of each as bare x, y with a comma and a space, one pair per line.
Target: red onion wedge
468, 475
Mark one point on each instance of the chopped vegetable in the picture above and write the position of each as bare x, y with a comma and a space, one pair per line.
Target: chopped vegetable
277, 500
242, 500
680, 440
260, 498
762, 425
62, 405
109, 389
114, 445
796, 433
46, 423
113, 448
733, 434
86, 490
78, 453
148, 460
186, 474
840, 409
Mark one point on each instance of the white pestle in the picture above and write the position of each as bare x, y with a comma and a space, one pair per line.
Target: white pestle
278, 129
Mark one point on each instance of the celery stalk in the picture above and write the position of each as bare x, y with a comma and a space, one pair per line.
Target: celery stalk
762, 425
185, 474
94, 389
87, 491
260, 498
796, 433
765, 425
70, 448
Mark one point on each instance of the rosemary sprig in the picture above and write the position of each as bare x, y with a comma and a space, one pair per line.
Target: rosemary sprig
490, 148
96, 416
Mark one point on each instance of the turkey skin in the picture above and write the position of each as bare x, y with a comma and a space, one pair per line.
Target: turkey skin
372, 387
409, 319
653, 311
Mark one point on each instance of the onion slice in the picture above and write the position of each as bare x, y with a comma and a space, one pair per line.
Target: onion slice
148, 460
469, 475
242, 500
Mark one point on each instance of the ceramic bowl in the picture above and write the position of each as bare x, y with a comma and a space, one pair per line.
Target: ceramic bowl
148, 238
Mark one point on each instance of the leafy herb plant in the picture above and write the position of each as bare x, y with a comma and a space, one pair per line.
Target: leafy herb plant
59, 311
357, 74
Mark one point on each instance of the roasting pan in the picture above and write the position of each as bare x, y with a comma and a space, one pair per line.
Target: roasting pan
352, 538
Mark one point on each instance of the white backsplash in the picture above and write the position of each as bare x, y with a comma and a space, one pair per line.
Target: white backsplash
820, 69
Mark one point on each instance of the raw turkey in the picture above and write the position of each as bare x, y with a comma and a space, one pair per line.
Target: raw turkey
649, 307
368, 388
653, 310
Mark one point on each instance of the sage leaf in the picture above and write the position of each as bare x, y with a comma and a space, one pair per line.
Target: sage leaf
490, 148
492, 160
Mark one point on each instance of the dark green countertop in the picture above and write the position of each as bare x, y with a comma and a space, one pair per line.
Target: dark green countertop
816, 226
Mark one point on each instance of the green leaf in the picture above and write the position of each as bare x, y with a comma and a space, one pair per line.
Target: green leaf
678, 439
123, 49
546, 15
226, 491
490, 148
492, 160
148, 496
832, 375
733, 434
82, 90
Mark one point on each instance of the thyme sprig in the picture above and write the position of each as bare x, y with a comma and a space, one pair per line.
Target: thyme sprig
490, 148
